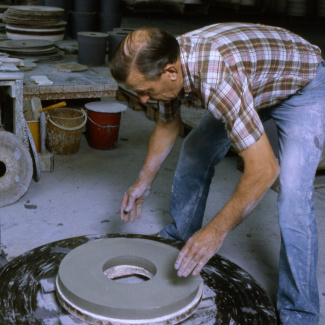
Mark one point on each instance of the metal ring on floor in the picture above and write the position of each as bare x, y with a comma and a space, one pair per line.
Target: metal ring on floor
86, 286
16, 168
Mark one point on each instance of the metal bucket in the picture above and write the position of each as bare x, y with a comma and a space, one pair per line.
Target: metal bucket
64, 130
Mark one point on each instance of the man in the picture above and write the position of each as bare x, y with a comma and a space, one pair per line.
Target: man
243, 74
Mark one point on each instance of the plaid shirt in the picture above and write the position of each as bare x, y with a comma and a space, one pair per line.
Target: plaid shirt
236, 69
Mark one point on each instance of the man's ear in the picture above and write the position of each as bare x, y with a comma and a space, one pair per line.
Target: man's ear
171, 71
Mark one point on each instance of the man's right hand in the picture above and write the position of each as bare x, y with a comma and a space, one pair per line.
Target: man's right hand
160, 144
132, 202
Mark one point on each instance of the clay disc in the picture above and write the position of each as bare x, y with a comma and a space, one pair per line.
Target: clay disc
35, 30
69, 67
3, 8
34, 24
41, 51
36, 10
88, 290
16, 168
25, 44
28, 66
69, 46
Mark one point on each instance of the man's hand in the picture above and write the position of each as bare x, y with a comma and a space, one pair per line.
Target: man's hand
160, 145
261, 170
132, 202
198, 250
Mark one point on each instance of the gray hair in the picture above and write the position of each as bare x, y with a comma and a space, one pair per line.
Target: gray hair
149, 49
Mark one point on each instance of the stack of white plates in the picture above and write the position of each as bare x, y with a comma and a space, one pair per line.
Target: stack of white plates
34, 22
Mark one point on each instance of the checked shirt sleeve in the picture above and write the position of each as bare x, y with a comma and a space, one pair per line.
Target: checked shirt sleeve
238, 69
232, 102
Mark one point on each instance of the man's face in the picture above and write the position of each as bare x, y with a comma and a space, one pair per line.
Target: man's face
164, 89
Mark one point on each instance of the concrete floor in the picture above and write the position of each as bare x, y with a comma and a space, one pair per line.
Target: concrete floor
83, 194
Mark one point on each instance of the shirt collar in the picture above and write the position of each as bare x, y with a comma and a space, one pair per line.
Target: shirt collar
186, 75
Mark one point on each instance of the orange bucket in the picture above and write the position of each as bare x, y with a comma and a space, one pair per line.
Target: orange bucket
103, 124
35, 131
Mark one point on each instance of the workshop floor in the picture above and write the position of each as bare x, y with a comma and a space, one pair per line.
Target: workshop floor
82, 196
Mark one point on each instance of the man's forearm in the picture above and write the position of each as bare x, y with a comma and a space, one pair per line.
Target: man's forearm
261, 169
245, 198
257, 178
161, 143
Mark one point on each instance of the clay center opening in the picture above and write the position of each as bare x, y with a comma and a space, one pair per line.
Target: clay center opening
128, 274
129, 269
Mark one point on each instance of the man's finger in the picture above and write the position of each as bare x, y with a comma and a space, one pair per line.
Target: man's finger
132, 212
181, 256
186, 263
124, 214
139, 207
130, 204
195, 260
185, 259
200, 265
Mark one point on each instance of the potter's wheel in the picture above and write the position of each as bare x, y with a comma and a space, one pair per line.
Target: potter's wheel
28, 296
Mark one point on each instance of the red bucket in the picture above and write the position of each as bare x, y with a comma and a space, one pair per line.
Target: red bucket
103, 124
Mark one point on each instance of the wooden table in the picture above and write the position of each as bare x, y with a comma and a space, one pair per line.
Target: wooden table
96, 82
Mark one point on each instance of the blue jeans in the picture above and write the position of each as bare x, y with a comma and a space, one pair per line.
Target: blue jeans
300, 122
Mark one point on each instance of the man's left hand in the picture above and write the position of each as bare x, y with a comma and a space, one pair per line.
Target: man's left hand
198, 250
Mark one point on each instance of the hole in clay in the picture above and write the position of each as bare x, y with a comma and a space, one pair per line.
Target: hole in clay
3, 168
128, 274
